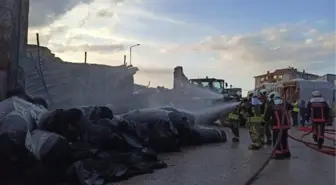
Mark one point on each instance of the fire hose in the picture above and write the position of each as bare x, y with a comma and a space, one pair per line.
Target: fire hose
330, 150
277, 142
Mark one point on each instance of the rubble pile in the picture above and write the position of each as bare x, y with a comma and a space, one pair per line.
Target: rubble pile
90, 145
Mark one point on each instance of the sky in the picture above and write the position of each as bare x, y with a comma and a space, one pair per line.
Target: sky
234, 40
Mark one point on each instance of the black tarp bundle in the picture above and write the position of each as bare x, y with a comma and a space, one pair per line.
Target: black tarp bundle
92, 146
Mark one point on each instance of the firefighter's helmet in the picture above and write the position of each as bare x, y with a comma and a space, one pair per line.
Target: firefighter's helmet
277, 99
251, 94
263, 92
272, 95
317, 94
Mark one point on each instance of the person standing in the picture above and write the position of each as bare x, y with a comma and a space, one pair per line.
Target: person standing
234, 120
265, 103
278, 116
318, 111
302, 111
295, 113
255, 119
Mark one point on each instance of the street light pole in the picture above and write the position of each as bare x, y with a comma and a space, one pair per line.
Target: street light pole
130, 59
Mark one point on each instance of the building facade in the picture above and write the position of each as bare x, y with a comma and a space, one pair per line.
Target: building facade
329, 77
285, 74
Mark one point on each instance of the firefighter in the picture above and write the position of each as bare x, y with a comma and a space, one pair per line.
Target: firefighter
271, 96
318, 112
255, 121
278, 116
267, 128
295, 113
234, 120
249, 95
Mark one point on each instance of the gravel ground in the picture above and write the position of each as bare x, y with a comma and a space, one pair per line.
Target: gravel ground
232, 164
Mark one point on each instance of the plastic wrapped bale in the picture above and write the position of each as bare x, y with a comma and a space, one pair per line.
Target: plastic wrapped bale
163, 136
101, 112
14, 156
139, 131
114, 138
53, 155
181, 122
50, 148
60, 122
146, 115
97, 112
203, 135
191, 117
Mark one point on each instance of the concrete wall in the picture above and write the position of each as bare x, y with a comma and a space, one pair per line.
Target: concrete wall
77, 84
287, 77
257, 82
13, 39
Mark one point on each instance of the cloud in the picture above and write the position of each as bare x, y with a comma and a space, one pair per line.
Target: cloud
289, 44
108, 48
44, 12
46, 33
105, 13
106, 31
156, 70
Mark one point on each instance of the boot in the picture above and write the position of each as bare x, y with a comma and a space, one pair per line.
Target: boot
254, 147
320, 144
315, 137
287, 155
278, 157
235, 140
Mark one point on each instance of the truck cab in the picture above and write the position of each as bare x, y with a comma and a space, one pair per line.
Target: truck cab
216, 85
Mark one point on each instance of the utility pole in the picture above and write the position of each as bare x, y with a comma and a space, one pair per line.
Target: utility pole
130, 60
125, 60
85, 57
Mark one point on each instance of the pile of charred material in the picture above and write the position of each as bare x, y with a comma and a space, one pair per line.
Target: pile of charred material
90, 145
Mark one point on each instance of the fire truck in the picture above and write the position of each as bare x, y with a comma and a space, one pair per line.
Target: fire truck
299, 89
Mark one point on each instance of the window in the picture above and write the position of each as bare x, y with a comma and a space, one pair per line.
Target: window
275, 77
262, 79
280, 77
266, 77
218, 87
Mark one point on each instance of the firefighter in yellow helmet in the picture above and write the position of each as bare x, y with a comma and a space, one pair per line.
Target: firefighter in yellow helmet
255, 121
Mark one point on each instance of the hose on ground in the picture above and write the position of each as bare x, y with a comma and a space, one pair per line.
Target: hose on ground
331, 152
255, 175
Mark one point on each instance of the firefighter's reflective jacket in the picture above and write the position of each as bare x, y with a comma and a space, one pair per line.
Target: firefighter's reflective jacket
254, 115
235, 114
318, 110
296, 107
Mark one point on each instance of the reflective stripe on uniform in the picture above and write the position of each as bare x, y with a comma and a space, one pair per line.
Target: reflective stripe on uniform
255, 119
233, 116
296, 109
